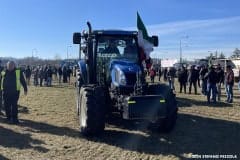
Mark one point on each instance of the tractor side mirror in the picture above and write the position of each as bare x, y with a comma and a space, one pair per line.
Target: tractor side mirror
76, 38
155, 41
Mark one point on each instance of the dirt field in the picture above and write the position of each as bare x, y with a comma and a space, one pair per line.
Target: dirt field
49, 130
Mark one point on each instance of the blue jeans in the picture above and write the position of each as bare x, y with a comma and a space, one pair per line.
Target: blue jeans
49, 81
211, 90
171, 83
229, 89
204, 87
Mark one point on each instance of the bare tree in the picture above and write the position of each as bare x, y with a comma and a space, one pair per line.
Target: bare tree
236, 53
221, 56
57, 57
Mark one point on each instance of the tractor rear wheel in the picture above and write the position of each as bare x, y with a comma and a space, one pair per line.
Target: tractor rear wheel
92, 110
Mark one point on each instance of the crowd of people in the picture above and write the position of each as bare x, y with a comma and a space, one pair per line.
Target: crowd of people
43, 75
209, 79
13, 77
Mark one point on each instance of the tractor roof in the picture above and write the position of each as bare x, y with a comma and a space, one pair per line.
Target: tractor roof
114, 32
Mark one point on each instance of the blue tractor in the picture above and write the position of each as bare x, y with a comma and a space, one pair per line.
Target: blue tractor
111, 79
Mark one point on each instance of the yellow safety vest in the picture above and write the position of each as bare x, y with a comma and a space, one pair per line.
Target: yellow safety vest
18, 83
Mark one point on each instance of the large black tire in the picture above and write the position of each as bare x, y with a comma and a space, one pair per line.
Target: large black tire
78, 101
92, 110
78, 83
167, 124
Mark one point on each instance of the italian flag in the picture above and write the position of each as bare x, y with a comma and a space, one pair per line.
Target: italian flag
144, 41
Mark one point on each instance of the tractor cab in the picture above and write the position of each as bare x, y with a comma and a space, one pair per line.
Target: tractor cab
117, 58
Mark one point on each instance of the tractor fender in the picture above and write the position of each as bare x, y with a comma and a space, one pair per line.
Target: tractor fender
83, 70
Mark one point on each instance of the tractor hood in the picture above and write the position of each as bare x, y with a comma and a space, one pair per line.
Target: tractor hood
125, 66
124, 73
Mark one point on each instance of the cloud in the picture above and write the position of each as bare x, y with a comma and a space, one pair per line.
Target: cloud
179, 26
204, 35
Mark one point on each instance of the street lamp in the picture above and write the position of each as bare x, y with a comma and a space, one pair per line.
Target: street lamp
180, 48
67, 51
34, 50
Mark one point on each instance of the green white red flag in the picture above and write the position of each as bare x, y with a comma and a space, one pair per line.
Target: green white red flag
144, 41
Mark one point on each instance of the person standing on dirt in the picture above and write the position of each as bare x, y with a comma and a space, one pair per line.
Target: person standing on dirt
45, 75
203, 80
41, 75
11, 81
28, 74
69, 72
211, 77
182, 79
152, 74
198, 72
229, 80
60, 73
49, 76
171, 77
159, 74
192, 79
35, 76
64, 74
220, 80
165, 74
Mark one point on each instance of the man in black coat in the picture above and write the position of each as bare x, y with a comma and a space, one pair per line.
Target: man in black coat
192, 79
28, 74
202, 74
220, 80
182, 78
211, 77
11, 81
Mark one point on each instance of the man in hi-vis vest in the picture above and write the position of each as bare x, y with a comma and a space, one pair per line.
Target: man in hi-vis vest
11, 81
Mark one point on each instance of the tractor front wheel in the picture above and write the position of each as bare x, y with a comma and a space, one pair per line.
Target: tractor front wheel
92, 110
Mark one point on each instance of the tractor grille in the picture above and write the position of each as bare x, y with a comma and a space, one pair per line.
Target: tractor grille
131, 78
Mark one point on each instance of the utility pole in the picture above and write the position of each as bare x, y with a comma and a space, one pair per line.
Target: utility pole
180, 48
67, 52
180, 51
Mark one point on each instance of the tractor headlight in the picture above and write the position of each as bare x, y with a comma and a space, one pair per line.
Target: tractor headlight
120, 77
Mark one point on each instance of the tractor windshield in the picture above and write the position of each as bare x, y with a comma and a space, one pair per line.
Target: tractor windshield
117, 47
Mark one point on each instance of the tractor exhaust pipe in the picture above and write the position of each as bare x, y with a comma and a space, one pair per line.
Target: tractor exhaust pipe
89, 27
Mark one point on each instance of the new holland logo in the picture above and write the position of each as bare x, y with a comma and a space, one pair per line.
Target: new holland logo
130, 69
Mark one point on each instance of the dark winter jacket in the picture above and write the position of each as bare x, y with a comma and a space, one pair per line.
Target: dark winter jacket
229, 78
211, 77
171, 73
60, 72
202, 73
28, 72
49, 72
182, 76
193, 75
